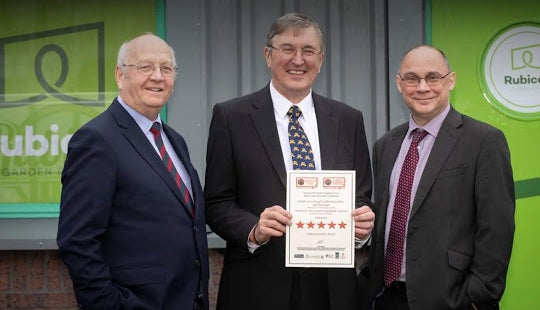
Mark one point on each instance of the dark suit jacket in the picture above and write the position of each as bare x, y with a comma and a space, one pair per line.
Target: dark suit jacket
461, 225
246, 173
124, 232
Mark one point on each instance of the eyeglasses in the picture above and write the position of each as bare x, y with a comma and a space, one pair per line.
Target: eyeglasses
432, 79
289, 51
148, 69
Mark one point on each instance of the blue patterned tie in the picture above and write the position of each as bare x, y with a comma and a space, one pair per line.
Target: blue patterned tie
302, 155
156, 131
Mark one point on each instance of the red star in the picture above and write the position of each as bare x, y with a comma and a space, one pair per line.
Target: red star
332, 225
310, 224
300, 225
342, 225
321, 224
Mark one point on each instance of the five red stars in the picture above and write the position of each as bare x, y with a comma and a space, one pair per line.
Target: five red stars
321, 224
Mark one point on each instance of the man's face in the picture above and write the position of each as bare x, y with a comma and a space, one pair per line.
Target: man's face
293, 73
425, 100
147, 94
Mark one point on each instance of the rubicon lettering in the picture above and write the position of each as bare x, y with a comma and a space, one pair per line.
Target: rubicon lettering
511, 71
521, 80
31, 144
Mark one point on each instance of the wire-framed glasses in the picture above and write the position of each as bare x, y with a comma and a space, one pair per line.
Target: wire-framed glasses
432, 79
148, 69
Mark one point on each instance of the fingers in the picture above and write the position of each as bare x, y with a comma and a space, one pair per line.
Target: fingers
272, 223
364, 220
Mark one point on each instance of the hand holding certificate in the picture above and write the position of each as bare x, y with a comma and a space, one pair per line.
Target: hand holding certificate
322, 230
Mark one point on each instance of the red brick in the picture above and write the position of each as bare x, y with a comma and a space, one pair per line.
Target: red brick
23, 301
3, 301
215, 258
18, 275
58, 300
5, 266
35, 273
56, 273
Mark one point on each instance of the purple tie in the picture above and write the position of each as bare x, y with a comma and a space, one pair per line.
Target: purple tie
169, 164
402, 204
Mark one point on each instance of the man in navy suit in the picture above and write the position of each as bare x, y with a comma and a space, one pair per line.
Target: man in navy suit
458, 220
132, 219
247, 160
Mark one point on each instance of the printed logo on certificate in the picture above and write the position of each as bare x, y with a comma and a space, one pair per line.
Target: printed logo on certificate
322, 231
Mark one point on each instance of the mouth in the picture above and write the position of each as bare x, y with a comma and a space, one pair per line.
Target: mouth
423, 99
296, 72
154, 89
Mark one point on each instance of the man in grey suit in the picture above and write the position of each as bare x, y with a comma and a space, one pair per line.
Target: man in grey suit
444, 206
245, 190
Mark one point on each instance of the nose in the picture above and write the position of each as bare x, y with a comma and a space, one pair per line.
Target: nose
298, 58
423, 86
157, 74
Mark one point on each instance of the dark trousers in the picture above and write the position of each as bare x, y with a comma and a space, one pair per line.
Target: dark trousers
309, 289
393, 297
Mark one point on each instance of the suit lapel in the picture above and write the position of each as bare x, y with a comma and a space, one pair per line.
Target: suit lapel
389, 154
182, 153
444, 143
264, 122
327, 126
138, 140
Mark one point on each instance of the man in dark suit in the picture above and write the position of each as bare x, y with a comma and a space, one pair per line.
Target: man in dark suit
132, 219
247, 159
451, 193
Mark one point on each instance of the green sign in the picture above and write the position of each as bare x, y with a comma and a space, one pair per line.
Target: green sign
494, 48
57, 61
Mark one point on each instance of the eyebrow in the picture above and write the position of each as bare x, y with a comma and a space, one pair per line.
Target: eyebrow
290, 45
413, 73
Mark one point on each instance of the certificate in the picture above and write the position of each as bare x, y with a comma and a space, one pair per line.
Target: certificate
322, 230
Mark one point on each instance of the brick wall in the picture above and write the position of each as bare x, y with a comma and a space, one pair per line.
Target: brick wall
39, 280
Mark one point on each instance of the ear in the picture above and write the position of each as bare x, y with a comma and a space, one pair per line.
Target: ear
322, 61
398, 82
451, 80
118, 76
267, 56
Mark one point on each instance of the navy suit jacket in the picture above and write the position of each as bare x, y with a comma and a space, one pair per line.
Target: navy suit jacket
461, 223
124, 233
246, 173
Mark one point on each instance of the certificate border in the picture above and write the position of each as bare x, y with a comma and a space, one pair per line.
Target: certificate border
351, 260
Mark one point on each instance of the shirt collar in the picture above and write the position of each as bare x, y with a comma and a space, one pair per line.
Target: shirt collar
433, 126
282, 104
144, 123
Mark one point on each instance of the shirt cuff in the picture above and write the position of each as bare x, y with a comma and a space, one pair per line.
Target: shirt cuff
359, 243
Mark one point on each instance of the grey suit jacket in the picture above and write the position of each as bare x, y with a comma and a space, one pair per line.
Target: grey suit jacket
461, 224
246, 173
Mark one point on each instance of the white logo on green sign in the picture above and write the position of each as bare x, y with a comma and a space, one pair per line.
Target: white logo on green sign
511, 71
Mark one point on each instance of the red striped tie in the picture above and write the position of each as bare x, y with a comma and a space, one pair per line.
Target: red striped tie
156, 131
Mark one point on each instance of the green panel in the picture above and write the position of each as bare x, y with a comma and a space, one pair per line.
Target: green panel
57, 62
465, 31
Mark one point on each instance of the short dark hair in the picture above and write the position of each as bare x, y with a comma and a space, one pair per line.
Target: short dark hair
295, 21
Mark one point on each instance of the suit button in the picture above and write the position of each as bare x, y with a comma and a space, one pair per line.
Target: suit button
197, 264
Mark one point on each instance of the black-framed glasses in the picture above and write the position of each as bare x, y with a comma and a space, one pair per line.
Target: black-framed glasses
289, 51
148, 69
432, 79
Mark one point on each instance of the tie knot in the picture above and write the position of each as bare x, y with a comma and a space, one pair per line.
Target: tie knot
418, 135
294, 112
155, 129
